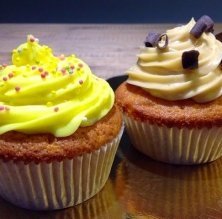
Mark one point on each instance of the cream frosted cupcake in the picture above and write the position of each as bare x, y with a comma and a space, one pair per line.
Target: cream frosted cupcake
172, 100
59, 129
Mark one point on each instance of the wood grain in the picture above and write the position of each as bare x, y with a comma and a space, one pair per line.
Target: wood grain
108, 49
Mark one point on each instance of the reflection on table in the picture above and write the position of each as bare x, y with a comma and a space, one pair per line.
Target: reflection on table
102, 206
151, 189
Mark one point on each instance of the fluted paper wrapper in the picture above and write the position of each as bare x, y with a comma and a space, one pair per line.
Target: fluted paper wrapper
175, 145
56, 185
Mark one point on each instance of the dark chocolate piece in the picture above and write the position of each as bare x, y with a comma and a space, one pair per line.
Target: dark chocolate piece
198, 29
209, 22
204, 24
152, 39
163, 41
190, 59
219, 36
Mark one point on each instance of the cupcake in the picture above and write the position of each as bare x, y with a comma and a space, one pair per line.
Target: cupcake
171, 101
59, 129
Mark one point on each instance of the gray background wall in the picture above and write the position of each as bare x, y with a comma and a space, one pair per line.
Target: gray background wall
107, 11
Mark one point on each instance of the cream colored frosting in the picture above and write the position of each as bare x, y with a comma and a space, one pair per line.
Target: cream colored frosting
160, 72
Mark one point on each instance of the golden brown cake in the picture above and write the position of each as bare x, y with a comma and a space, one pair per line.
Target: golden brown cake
171, 100
37, 148
137, 103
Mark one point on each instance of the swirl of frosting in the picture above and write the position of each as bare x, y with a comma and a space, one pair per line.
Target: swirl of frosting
41, 93
162, 75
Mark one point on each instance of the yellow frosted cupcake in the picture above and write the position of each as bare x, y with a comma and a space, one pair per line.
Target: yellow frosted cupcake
59, 129
172, 100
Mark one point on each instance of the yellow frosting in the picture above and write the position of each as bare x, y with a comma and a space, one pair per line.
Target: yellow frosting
160, 72
41, 93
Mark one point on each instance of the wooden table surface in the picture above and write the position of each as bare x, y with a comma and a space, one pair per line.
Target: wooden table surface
138, 187
108, 49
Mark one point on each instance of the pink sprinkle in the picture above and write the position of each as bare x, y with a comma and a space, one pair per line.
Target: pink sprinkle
62, 57
32, 39
40, 69
2, 108
80, 81
4, 65
33, 67
43, 75
10, 75
46, 73
5, 78
17, 88
80, 65
56, 109
63, 70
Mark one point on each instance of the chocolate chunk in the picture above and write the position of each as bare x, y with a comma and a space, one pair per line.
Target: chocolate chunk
204, 24
198, 29
152, 39
163, 41
209, 22
219, 36
156, 40
190, 59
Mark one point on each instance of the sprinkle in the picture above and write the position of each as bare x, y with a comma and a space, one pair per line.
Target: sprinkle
190, 59
80, 81
63, 70
84, 119
40, 69
80, 65
46, 73
70, 71
5, 78
43, 75
56, 109
31, 38
62, 57
33, 67
17, 88
4, 65
2, 108
72, 66
10, 75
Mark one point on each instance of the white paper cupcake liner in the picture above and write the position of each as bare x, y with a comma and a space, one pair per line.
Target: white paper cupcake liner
175, 145
56, 185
